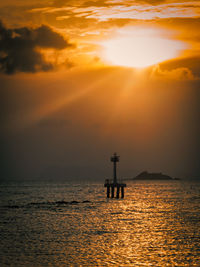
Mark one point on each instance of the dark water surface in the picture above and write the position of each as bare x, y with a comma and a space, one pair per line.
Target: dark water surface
157, 224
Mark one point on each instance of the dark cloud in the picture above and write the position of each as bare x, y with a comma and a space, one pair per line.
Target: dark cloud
19, 48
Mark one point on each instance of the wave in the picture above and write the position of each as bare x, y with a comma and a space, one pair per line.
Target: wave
48, 203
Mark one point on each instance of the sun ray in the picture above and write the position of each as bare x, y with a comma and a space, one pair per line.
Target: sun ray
64, 101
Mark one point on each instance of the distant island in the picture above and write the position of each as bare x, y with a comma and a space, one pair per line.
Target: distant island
153, 176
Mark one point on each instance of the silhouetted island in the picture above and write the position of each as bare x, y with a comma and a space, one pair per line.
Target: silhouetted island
153, 176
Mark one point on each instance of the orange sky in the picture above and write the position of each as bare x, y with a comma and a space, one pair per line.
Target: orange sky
82, 79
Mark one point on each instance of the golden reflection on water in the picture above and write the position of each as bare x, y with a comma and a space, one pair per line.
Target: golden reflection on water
157, 224
154, 225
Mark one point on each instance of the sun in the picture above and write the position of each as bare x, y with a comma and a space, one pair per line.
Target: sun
140, 48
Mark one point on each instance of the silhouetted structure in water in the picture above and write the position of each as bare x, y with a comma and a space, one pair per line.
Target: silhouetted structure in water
112, 184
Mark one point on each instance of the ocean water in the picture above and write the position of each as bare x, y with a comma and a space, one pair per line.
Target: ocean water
156, 224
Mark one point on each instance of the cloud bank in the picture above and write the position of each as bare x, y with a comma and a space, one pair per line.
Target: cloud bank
20, 48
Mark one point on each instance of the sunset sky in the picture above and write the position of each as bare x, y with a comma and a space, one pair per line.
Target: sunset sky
82, 79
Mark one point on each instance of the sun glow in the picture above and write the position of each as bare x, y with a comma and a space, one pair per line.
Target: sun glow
140, 48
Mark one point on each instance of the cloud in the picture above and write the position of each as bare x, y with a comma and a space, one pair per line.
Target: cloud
178, 69
178, 74
182, 26
105, 10
19, 48
191, 63
84, 3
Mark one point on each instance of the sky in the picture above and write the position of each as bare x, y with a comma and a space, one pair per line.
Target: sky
82, 79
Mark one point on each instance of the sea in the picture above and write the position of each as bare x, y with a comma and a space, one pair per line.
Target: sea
74, 224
